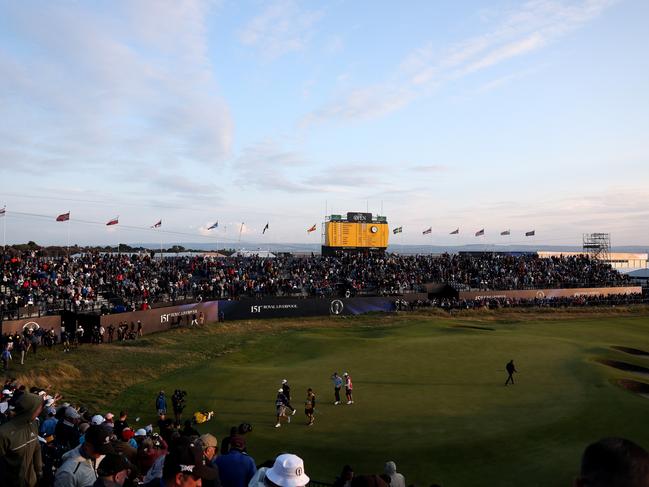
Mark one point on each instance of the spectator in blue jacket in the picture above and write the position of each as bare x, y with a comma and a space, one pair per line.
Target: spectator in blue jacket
237, 467
161, 403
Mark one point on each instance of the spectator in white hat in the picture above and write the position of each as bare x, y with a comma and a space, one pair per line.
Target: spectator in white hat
97, 419
287, 471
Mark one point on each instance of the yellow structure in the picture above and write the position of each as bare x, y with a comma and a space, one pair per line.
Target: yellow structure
359, 231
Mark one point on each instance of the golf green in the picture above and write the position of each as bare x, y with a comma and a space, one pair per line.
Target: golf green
429, 393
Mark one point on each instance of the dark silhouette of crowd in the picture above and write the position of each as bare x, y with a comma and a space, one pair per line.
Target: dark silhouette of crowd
137, 281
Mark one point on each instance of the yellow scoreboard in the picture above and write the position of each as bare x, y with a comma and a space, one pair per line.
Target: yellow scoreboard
358, 231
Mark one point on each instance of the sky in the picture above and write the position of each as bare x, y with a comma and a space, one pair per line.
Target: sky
502, 115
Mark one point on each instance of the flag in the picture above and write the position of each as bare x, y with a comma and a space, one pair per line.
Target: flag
397, 230
506, 232
455, 232
265, 228
479, 233
530, 233
157, 225
312, 229
3, 211
63, 217
114, 221
427, 231
214, 226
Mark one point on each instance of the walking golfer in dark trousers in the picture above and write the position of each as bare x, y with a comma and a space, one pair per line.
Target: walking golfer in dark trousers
510, 370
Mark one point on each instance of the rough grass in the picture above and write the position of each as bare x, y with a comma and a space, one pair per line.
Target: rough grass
429, 388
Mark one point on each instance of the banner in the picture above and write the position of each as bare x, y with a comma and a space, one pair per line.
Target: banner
550, 293
44, 322
295, 308
165, 318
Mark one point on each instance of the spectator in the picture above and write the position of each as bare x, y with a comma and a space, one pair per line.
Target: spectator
113, 471
237, 467
121, 423
210, 448
396, 479
79, 467
614, 462
346, 477
184, 467
225, 443
21, 464
67, 431
287, 471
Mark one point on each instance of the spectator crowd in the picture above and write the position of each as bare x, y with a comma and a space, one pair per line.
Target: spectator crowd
45, 442
137, 281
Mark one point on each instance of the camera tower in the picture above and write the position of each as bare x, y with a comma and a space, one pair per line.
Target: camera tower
597, 245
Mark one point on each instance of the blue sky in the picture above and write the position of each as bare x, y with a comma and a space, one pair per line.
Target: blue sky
491, 114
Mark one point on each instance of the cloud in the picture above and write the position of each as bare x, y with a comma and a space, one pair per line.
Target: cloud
282, 27
528, 28
268, 167
114, 89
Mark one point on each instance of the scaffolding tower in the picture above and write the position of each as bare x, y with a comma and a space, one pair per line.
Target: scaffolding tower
597, 245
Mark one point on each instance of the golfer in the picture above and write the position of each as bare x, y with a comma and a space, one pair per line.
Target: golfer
510, 370
286, 388
349, 386
280, 406
309, 406
338, 383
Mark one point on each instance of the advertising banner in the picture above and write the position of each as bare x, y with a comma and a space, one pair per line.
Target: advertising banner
551, 293
165, 318
44, 322
287, 308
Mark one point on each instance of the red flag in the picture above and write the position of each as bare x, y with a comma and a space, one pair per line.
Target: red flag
312, 229
63, 217
114, 221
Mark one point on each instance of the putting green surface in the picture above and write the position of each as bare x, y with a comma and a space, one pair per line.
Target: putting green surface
429, 390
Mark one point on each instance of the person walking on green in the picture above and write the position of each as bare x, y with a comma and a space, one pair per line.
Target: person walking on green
510, 370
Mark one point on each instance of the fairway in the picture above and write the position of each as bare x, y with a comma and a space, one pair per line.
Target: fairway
429, 390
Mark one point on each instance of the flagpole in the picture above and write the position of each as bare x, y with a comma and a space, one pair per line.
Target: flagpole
4, 231
240, 230
68, 238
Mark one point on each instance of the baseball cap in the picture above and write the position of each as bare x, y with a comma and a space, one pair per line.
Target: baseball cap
345, 373
109, 416
140, 432
207, 440
284, 381
112, 464
7, 392
71, 413
97, 419
99, 437
280, 390
288, 471
187, 458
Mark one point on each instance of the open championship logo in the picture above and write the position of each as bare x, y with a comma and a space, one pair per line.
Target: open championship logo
336, 307
31, 325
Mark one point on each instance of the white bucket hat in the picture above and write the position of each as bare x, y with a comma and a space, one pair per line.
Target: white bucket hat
288, 471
